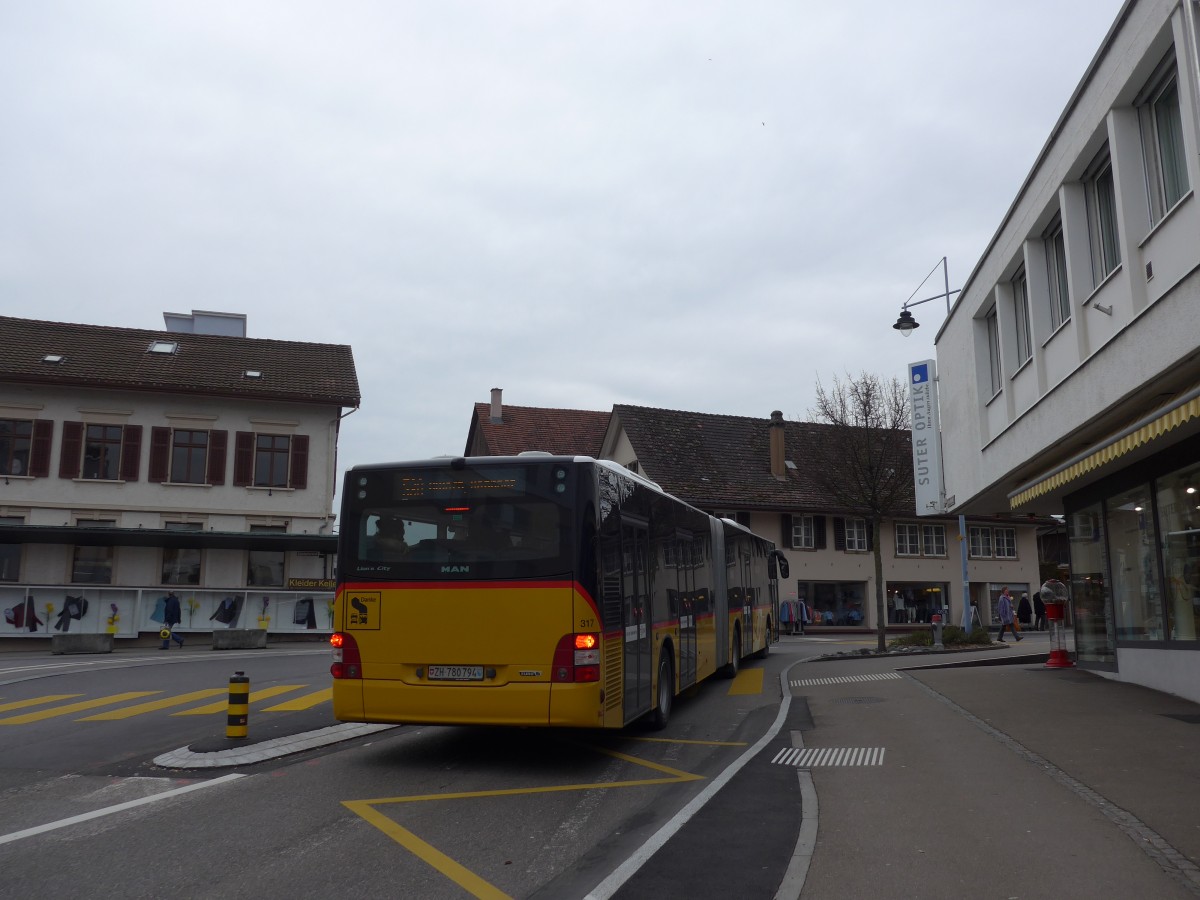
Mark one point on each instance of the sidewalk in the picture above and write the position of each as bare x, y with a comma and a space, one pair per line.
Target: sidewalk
1005, 780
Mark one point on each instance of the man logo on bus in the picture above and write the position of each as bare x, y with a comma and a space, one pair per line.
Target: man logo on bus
452, 570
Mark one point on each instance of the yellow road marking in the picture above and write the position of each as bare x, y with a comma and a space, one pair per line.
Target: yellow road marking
36, 701
129, 712
255, 696
456, 872
75, 707
308, 701
747, 681
459, 874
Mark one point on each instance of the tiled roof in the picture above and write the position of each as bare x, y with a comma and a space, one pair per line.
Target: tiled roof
102, 356
568, 432
724, 462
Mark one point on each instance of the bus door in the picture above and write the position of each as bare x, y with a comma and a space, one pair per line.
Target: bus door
687, 609
745, 596
635, 595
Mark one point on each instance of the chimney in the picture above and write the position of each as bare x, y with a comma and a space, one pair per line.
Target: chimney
497, 407
776, 432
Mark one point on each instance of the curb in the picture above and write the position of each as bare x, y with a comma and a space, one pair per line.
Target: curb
185, 758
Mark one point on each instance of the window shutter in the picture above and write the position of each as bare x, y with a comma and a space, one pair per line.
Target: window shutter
870, 536
839, 533
70, 457
160, 455
39, 457
218, 446
243, 459
131, 452
786, 528
819, 532
299, 476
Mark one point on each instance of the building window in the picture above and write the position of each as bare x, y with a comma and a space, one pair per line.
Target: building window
181, 565
189, 456
10, 554
16, 440
934, 537
802, 533
1162, 143
92, 565
996, 370
1005, 540
1102, 218
1056, 274
265, 567
856, 535
980, 542
908, 540
1021, 309
271, 460
102, 452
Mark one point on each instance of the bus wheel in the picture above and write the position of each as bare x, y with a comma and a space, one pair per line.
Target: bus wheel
735, 654
666, 694
766, 650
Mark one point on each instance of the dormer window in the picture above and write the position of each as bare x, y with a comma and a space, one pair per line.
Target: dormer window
164, 347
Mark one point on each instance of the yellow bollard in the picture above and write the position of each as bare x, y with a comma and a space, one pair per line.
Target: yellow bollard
239, 706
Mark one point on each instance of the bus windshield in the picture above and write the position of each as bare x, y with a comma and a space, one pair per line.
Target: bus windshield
409, 522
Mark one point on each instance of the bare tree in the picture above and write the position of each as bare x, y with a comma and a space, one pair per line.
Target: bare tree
865, 461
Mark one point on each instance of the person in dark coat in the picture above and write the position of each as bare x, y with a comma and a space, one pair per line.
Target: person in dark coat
1025, 611
172, 616
1039, 612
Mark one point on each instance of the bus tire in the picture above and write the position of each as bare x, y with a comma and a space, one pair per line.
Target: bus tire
735, 654
766, 649
661, 714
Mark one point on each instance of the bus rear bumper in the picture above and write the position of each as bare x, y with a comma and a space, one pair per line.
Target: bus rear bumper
530, 704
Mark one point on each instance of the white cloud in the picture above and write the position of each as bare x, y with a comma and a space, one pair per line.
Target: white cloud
687, 205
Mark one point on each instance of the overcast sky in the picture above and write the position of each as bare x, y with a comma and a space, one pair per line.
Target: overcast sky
704, 205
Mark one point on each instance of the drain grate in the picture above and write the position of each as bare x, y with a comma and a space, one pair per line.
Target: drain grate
810, 757
846, 679
844, 700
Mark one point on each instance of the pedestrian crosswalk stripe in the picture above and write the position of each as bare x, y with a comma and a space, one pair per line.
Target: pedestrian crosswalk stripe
308, 701
128, 712
75, 707
845, 679
36, 701
255, 696
810, 757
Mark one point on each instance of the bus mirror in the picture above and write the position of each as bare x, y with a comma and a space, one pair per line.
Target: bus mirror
777, 557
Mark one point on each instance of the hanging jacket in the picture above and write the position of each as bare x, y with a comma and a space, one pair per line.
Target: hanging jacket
227, 611
73, 608
160, 609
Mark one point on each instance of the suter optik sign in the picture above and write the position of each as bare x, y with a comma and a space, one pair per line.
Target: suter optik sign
926, 437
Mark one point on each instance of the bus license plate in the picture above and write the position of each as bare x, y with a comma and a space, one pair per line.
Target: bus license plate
456, 673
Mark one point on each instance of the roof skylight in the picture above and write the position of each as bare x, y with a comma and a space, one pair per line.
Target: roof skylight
53, 358
166, 347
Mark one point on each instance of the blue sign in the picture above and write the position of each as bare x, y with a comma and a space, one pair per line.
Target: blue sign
919, 374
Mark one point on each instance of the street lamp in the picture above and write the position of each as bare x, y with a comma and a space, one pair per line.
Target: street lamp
906, 323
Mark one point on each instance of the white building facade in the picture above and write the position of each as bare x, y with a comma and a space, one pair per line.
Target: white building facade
141, 463
1070, 364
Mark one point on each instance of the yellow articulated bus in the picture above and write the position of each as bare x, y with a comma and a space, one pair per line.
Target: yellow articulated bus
536, 590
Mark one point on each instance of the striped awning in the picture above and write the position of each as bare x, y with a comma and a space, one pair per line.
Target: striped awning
1183, 408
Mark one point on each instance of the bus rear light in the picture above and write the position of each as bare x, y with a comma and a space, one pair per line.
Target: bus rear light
576, 658
347, 663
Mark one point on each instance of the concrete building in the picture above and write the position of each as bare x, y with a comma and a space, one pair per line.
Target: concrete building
729, 465
193, 460
1069, 367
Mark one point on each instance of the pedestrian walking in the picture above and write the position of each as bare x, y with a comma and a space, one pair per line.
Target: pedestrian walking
1039, 612
172, 616
1025, 611
1004, 609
